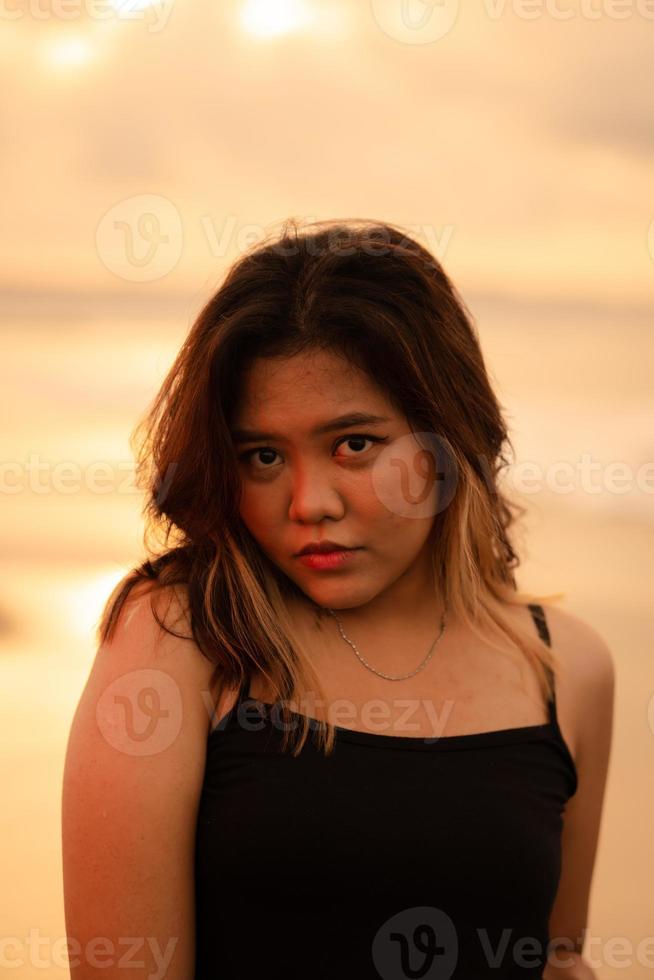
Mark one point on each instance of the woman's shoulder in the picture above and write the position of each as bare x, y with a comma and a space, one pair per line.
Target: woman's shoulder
133, 774
140, 643
586, 653
582, 649
585, 680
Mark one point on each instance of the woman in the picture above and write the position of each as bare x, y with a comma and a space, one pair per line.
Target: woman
381, 761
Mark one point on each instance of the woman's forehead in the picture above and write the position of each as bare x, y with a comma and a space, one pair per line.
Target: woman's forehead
320, 389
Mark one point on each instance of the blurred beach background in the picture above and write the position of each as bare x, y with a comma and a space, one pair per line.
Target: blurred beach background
145, 149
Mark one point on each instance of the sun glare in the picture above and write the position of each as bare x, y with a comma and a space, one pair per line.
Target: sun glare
271, 18
87, 598
70, 52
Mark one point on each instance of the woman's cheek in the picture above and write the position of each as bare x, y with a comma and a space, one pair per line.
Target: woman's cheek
260, 514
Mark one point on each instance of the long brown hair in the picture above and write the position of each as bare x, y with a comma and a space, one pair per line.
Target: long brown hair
367, 291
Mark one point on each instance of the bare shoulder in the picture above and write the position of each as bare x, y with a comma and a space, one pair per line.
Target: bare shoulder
586, 653
140, 642
188, 659
133, 775
584, 694
586, 680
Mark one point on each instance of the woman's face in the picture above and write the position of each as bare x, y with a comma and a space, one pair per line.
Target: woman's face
362, 485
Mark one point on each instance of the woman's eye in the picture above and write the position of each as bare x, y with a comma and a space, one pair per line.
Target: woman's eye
262, 451
359, 440
247, 457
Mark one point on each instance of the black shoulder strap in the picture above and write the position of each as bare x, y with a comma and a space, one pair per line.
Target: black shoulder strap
226, 718
243, 691
538, 615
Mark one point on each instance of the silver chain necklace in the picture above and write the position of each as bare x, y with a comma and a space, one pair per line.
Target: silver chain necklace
379, 673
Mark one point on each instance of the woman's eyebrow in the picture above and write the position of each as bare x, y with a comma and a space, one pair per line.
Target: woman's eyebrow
342, 422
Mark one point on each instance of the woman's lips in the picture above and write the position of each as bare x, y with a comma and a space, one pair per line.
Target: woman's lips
331, 559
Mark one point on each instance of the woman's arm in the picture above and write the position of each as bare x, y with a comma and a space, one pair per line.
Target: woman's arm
578, 968
132, 778
585, 696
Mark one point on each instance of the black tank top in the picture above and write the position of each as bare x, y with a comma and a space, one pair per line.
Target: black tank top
394, 857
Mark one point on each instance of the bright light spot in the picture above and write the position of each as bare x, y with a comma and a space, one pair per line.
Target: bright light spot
86, 600
270, 18
69, 53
